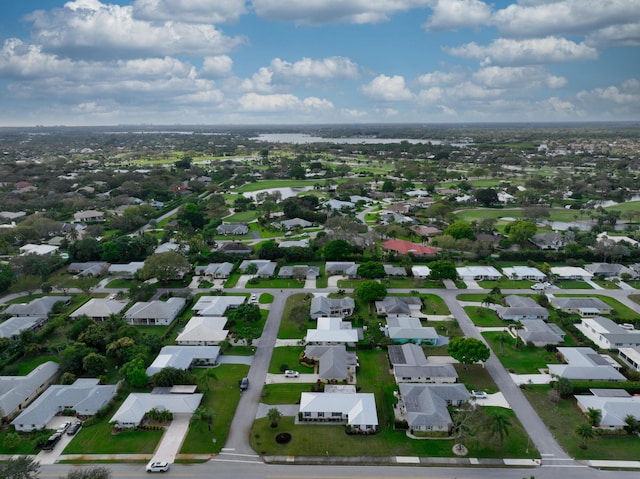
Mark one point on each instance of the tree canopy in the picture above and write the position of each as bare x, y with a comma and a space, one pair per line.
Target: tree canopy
164, 266
460, 230
371, 269
468, 350
442, 269
371, 291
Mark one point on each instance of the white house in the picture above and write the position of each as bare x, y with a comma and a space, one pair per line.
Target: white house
420, 271
183, 357
203, 331
134, 408
478, 273
99, 309
403, 329
425, 406
524, 273
340, 404
158, 313
571, 272
17, 392
584, 364
614, 406
217, 305
333, 331
607, 334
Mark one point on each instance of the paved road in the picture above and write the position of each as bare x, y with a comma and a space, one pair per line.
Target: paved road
257, 470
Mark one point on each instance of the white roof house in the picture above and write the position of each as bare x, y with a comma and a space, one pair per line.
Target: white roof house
607, 334
478, 273
524, 272
420, 271
36, 307
584, 306
155, 312
134, 408
630, 356
215, 270
39, 249
17, 392
203, 331
571, 272
217, 305
334, 331
86, 396
99, 309
126, 270
404, 329
12, 327
614, 405
357, 409
586, 365
183, 357
425, 406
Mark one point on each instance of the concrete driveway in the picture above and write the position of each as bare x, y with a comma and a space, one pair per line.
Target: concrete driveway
172, 438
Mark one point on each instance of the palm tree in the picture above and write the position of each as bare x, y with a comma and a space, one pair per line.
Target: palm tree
498, 425
584, 432
631, 423
203, 414
594, 416
274, 415
209, 373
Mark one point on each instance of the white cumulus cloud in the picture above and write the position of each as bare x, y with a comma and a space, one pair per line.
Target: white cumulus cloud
457, 14
307, 68
281, 102
316, 12
190, 11
387, 88
504, 51
216, 67
517, 77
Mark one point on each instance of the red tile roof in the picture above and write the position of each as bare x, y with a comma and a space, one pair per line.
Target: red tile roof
407, 247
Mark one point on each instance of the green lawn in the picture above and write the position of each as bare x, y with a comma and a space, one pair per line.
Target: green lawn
99, 439
287, 357
477, 297
284, 393
562, 420
484, 316
572, 284
265, 298
279, 283
240, 217
290, 329
524, 360
504, 283
474, 376
222, 397
122, 283
606, 284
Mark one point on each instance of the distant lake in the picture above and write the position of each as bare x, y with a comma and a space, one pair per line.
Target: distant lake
301, 139
285, 192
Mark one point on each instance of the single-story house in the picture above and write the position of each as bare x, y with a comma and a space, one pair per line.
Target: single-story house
264, 267
171, 247
36, 307
615, 405
339, 205
88, 215
39, 249
217, 305
425, 230
335, 363
235, 247
410, 365
158, 313
321, 306
608, 334
403, 329
215, 270
302, 243
521, 308
17, 392
609, 270
183, 357
232, 229
397, 271
99, 309
539, 333
584, 364
299, 272
584, 306
425, 406
548, 241
571, 272
478, 273
126, 271
203, 331
524, 273
293, 223
406, 247
137, 405
348, 268
630, 356
420, 271
12, 327
89, 268
85, 396
333, 331
399, 306
340, 404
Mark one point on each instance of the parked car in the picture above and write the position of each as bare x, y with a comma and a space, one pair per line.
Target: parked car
540, 286
63, 427
253, 299
479, 394
75, 427
290, 373
52, 441
157, 466
244, 384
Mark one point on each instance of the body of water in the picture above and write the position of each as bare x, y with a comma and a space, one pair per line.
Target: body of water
301, 138
285, 192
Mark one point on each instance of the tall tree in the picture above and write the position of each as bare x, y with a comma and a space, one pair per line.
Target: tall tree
468, 350
274, 415
498, 425
584, 432
165, 266
21, 467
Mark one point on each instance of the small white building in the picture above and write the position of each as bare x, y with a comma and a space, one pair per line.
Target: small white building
478, 273
524, 273
340, 405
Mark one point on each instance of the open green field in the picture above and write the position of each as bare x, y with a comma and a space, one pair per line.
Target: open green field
267, 184
221, 395
287, 357
99, 438
280, 283
524, 360
290, 329
484, 317
563, 418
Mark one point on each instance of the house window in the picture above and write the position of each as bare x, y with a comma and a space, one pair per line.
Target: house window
336, 414
307, 414
320, 414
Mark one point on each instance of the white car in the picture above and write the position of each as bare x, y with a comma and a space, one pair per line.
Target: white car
479, 394
289, 373
157, 466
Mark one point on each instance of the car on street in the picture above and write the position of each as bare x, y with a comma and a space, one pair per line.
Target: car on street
253, 298
290, 373
157, 466
541, 286
479, 394
74, 428
244, 384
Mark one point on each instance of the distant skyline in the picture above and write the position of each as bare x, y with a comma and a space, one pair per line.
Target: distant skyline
216, 62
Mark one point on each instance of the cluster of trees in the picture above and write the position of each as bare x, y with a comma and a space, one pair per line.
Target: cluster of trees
24, 467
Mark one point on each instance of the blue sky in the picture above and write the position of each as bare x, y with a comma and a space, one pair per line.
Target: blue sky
101, 62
